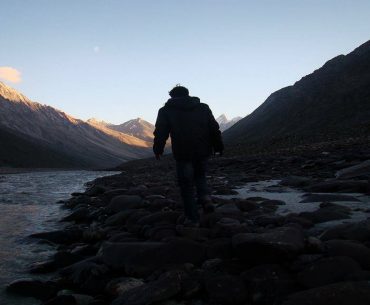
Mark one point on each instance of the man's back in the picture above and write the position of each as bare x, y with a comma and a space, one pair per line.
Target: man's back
193, 129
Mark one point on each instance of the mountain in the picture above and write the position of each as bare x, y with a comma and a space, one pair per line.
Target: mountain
138, 128
225, 123
331, 103
42, 136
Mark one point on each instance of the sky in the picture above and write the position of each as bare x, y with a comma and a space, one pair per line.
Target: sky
117, 59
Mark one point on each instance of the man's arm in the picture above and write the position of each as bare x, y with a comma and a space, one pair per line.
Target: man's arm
216, 138
161, 133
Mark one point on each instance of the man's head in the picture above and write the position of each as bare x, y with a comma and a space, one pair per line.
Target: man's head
179, 91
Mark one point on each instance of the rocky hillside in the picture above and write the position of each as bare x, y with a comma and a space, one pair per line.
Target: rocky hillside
225, 123
78, 143
332, 102
138, 128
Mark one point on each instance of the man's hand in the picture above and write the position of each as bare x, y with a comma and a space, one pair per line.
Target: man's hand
158, 156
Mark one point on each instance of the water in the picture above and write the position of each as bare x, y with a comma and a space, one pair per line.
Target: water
28, 205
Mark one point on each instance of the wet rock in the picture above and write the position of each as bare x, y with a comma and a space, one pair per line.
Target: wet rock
338, 186
95, 190
345, 293
278, 244
167, 286
327, 198
125, 202
354, 250
160, 232
352, 231
225, 289
87, 275
132, 223
328, 271
269, 220
122, 285
247, 205
60, 236
79, 215
268, 283
360, 170
326, 212
32, 288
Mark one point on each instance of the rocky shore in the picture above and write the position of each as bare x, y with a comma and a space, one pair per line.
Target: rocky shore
124, 242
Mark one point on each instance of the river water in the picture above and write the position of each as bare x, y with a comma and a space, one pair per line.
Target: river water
28, 204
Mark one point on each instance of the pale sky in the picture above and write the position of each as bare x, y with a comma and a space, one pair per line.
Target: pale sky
117, 60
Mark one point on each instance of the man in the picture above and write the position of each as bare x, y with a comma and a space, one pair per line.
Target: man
195, 135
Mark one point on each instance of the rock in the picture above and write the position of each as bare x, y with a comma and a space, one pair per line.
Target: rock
87, 275
352, 231
167, 286
345, 293
193, 233
227, 227
43, 267
78, 215
338, 186
247, 205
295, 181
326, 212
359, 170
162, 217
121, 285
354, 250
108, 195
62, 300
328, 271
278, 244
327, 198
225, 289
219, 248
268, 283
119, 218
142, 258
125, 202
160, 232
32, 288
60, 236
95, 190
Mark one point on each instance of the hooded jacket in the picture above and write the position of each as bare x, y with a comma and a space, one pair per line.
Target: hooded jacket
194, 132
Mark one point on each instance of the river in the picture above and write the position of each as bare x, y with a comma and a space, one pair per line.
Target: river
28, 204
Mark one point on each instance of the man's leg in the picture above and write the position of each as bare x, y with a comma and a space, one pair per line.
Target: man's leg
200, 171
185, 176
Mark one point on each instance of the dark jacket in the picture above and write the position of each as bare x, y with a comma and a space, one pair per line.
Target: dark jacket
195, 134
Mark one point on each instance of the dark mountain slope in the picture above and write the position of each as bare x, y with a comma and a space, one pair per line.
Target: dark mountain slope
333, 102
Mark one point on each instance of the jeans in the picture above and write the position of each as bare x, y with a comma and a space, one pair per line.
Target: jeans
191, 175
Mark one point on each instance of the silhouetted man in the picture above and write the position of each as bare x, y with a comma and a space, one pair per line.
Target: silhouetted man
195, 135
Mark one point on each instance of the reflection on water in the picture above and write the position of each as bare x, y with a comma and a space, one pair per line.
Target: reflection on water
28, 205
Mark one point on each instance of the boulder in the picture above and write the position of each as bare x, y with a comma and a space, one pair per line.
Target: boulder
225, 289
327, 197
32, 288
340, 186
344, 293
354, 250
267, 283
359, 231
282, 243
119, 218
79, 215
142, 258
327, 212
125, 202
328, 271
162, 217
121, 285
359, 170
67, 236
295, 181
167, 286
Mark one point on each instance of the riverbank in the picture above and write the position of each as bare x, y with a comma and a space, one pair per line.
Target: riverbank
125, 242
